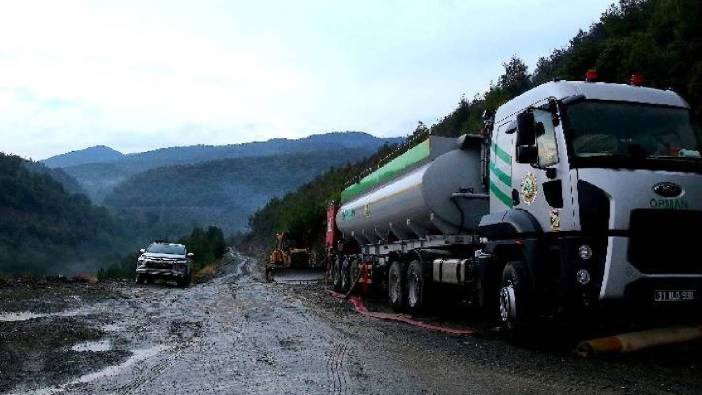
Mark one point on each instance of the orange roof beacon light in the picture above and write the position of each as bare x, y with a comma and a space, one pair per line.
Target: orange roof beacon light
591, 75
636, 79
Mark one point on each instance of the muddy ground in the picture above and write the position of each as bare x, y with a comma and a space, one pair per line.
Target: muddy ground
237, 334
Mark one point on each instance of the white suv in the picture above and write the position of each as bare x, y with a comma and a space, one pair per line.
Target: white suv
164, 260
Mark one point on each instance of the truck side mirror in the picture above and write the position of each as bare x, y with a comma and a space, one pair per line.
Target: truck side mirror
142, 251
526, 138
527, 153
526, 129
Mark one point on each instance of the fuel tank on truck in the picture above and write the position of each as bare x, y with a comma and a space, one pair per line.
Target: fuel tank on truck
433, 188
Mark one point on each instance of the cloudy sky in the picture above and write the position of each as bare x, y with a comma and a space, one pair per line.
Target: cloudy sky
138, 75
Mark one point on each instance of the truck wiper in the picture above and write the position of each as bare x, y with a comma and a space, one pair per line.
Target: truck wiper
670, 157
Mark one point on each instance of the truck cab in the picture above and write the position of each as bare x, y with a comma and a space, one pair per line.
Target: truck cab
595, 193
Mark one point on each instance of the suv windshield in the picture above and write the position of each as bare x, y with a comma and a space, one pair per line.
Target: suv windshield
172, 249
600, 129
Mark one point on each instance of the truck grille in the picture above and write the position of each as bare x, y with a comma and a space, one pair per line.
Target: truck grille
665, 241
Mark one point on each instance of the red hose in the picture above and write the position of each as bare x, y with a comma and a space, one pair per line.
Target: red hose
361, 308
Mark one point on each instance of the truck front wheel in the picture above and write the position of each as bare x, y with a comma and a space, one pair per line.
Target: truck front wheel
415, 286
396, 286
514, 299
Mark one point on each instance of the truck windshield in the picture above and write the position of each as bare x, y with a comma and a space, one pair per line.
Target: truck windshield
172, 249
633, 132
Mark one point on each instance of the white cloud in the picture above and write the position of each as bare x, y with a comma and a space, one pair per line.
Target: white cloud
136, 76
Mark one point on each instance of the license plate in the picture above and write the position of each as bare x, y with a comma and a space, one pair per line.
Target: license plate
674, 295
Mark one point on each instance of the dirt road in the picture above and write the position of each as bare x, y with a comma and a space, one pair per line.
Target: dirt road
237, 334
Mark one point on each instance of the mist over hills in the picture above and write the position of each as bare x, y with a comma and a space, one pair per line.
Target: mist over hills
48, 225
69, 183
99, 178
44, 228
224, 192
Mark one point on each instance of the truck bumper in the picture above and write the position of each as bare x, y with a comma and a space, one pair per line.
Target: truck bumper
160, 272
622, 280
616, 286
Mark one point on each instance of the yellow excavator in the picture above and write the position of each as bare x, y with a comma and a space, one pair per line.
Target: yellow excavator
285, 257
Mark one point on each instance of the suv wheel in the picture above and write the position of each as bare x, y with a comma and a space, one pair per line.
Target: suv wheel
140, 278
185, 281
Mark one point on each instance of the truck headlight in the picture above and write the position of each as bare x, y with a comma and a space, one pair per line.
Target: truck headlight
582, 276
585, 252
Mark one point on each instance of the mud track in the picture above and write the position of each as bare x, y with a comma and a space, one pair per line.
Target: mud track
238, 334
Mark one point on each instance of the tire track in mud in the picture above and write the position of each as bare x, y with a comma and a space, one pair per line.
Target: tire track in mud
158, 369
172, 354
336, 369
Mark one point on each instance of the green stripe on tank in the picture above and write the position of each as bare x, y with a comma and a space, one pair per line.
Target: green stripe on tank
500, 195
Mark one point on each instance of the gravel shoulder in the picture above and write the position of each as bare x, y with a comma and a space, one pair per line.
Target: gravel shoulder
238, 334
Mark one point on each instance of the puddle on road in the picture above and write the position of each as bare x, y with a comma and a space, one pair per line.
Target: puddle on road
113, 327
95, 346
137, 356
28, 315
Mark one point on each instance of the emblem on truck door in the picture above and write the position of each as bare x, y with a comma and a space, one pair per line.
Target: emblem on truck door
529, 188
667, 189
555, 219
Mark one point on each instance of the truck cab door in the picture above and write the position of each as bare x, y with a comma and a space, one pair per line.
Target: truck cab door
539, 178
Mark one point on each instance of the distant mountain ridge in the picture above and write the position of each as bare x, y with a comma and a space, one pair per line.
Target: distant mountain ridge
203, 152
99, 178
224, 192
96, 154
316, 142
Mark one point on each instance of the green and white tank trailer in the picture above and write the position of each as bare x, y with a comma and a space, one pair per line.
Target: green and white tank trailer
577, 198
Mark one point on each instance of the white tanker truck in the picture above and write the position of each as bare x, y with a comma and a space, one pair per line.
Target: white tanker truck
577, 197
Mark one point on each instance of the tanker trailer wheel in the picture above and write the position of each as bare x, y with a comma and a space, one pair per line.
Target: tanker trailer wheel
336, 274
396, 286
345, 274
514, 299
354, 271
415, 286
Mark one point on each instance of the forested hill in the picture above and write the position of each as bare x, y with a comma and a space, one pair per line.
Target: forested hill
301, 213
42, 225
99, 178
223, 192
661, 39
69, 183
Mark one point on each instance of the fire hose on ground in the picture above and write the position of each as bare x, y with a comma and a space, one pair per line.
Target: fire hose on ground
633, 341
